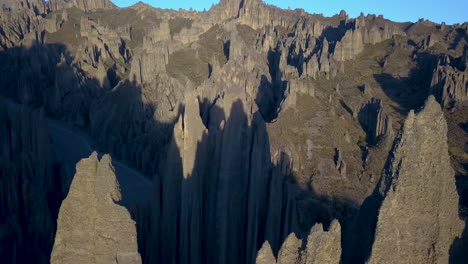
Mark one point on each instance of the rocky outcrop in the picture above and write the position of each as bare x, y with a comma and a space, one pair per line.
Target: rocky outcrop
295, 89
105, 42
340, 165
418, 219
374, 120
265, 255
350, 45
450, 83
290, 250
354, 39
209, 205
23, 20
321, 247
92, 227
324, 246
86, 5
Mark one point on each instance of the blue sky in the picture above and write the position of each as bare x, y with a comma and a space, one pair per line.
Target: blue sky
449, 11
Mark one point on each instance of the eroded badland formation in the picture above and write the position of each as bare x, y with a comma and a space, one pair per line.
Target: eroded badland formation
243, 134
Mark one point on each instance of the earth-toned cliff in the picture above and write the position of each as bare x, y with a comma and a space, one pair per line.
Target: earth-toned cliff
91, 226
242, 134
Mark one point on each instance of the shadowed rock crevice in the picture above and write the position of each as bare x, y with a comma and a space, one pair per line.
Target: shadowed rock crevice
31, 185
209, 206
67, 144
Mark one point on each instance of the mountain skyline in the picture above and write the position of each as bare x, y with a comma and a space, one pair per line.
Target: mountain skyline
451, 12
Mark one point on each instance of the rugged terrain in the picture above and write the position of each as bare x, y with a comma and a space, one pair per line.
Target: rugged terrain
242, 134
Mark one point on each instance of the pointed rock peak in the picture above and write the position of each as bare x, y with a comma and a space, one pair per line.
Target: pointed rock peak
335, 226
265, 255
431, 106
420, 209
430, 116
141, 5
289, 252
317, 228
324, 247
91, 221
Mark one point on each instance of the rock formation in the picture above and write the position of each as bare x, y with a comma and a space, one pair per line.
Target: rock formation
289, 252
321, 247
418, 219
374, 120
350, 45
265, 255
324, 246
82, 4
340, 165
30, 184
92, 227
246, 123
450, 82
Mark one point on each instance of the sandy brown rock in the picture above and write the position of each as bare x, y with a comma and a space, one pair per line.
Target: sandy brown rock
265, 255
290, 250
92, 227
324, 246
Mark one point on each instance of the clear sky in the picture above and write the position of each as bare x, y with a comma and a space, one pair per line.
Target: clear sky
448, 11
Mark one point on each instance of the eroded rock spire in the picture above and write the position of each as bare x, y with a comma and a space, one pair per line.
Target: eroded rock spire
418, 219
91, 227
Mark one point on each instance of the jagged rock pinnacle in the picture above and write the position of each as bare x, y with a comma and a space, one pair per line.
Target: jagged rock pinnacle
418, 219
92, 228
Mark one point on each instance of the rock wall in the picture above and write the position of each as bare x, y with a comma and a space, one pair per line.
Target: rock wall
210, 206
374, 120
450, 83
30, 185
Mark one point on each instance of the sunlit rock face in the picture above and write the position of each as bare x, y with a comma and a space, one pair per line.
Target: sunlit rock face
418, 219
91, 226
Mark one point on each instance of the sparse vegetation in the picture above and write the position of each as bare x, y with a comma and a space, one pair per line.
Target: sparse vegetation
187, 63
177, 24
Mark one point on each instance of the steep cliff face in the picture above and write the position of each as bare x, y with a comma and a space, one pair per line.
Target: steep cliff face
218, 186
251, 121
418, 219
20, 18
450, 81
375, 121
92, 227
30, 185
